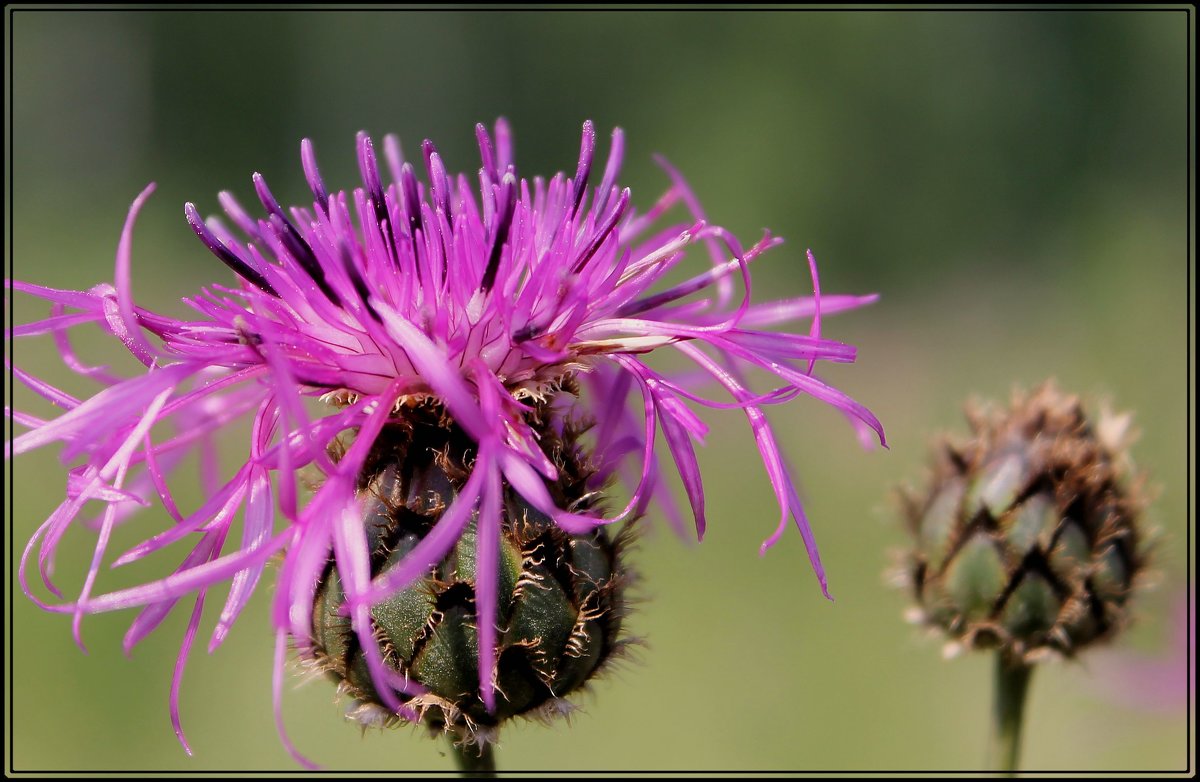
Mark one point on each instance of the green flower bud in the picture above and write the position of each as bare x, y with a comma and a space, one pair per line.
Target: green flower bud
1027, 538
560, 597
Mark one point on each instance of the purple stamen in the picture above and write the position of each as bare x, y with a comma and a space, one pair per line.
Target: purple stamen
308, 159
300, 251
486, 153
370, 175
291, 238
603, 232
587, 146
360, 285
239, 267
616, 153
508, 197
439, 183
410, 198
394, 155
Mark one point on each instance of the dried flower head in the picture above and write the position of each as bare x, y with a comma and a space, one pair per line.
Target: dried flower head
481, 352
1028, 538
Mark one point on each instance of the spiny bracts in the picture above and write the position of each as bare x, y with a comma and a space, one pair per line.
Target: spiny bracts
561, 597
1028, 537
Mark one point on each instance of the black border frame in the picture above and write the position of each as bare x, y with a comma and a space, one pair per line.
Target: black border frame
678, 6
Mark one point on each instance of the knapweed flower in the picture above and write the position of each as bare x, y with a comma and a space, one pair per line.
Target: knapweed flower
480, 353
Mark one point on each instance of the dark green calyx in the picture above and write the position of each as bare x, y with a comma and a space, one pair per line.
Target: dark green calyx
560, 599
1028, 537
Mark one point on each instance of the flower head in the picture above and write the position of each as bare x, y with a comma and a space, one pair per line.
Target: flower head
504, 308
1030, 537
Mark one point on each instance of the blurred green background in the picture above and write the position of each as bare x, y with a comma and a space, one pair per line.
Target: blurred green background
1013, 184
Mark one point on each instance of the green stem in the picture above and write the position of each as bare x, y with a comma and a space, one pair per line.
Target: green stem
473, 760
1008, 709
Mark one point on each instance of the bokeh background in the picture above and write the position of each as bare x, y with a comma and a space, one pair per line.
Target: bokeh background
1014, 184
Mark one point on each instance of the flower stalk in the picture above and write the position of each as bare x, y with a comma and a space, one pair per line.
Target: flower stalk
1010, 684
474, 762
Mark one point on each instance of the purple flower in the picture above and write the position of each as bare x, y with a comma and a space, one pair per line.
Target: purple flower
390, 297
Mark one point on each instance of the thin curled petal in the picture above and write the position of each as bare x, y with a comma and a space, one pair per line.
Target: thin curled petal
124, 281
178, 584
99, 413
277, 701
487, 562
